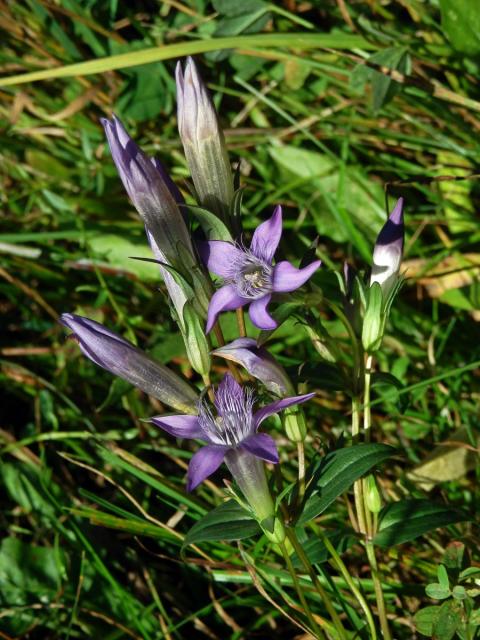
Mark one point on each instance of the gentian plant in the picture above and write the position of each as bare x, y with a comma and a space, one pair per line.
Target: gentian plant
193, 240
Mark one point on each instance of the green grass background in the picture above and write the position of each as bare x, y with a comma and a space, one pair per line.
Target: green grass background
93, 502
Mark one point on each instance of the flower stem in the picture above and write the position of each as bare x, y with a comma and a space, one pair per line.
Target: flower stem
377, 585
306, 607
369, 531
301, 470
358, 485
316, 583
241, 322
353, 587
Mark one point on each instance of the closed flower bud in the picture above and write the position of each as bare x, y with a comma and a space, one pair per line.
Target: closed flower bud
115, 354
198, 351
388, 251
373, 498
259, 364
153, 194
203, 142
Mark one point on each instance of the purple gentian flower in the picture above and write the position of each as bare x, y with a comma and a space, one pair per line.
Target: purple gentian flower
231, 435
259, 363
115, 354
249, 274
388, 250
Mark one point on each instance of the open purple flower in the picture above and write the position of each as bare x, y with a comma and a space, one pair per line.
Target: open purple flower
231, 435
249, 274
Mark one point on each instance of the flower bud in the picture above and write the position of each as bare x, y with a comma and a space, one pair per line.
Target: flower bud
259, 364
373, 498
388, 251
295, 425
203, 142
196, 344
373, 322
153, 194
115, 354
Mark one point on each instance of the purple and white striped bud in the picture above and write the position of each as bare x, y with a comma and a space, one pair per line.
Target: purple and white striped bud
115, 354
259, 364
388, 251
203, 142
153, 194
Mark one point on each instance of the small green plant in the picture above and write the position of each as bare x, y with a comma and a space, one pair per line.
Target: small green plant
458, 590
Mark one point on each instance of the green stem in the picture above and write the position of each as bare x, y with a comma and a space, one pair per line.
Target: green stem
301, 470
351, 584
316, 583
315, 628
377, 583
358, 485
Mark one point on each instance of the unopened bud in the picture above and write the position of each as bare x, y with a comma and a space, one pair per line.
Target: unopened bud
203, 142
373, 498
373, 322
388, 251
196, 344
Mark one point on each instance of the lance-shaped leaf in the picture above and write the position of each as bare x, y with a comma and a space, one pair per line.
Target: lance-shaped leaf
115, 354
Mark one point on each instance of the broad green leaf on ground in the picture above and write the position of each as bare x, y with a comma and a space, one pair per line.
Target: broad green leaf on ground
310, 172
28, 574
461, 23
336, 473
118, 251
449, 461
424, 620
408, 519
447, 620
229, 521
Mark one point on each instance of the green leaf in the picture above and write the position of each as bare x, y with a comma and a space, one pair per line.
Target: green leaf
443, 576
362, 211
461, 23
406, 520
459, 592
424, 619
299, 41
437, 591
28, 574
229, 521
211, 224
384, 88
117, 251
447, 620
337, 471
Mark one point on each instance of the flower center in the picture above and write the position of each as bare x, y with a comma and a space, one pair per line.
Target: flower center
233, 421
252, 277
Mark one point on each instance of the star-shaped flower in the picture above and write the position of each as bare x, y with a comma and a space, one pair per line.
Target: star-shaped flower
249, 274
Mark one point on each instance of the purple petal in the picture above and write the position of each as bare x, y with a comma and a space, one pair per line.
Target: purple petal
220, 256
286, 277
279, 405
263, 446
259, 314
258, 362
267, 237
388, 250
183, 426
203, 463
225, 299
